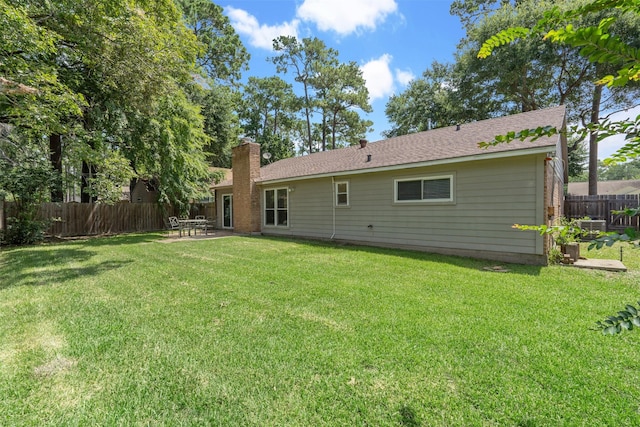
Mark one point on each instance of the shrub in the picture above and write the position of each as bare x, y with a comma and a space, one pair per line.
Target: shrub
24, 231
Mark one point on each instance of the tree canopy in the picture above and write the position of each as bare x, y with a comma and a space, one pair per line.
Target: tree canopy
334, 90
114, 84
532, 73
610, 43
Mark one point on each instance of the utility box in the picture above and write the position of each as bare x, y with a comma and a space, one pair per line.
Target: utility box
593, 225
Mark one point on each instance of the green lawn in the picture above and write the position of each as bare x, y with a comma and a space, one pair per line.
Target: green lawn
243, 331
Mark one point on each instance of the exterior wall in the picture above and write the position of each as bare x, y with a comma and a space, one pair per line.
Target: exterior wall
489, 197
554, 194
246, 198
141, 194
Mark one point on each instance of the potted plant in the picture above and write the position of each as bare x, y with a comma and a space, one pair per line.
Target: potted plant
566, 234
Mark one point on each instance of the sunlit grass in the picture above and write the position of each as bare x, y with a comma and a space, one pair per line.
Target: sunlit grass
268, 332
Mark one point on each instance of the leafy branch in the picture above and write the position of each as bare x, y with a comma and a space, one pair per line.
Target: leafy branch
595, 42
626, 319
530, 134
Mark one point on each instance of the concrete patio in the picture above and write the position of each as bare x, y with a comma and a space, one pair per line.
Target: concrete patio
600, 264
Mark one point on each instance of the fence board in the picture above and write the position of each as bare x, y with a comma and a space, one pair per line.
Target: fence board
85, 219
602, 208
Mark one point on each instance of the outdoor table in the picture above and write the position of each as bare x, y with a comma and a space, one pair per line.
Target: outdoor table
194, 224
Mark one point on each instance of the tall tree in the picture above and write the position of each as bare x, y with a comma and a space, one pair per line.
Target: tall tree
268, 115
269, 106
32, 97
533, 73
304, 58
427, 102
575, 78
125, 62
222, 55
221, 123
341, 90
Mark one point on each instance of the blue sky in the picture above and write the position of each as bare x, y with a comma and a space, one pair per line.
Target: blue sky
393, 41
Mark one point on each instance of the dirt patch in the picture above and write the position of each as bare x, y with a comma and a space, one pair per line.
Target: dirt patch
55, 366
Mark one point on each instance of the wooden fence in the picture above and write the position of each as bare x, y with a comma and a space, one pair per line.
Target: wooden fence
85, 219
602, 208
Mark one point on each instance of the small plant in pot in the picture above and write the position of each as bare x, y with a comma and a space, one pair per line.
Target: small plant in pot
566, 234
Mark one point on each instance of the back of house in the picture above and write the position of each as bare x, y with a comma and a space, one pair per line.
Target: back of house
435, 191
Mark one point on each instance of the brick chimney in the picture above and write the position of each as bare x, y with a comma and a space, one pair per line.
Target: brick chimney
363, 143
245, 162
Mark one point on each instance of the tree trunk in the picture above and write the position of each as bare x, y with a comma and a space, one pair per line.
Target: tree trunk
593, 141
275, 122
333, 131
308, 115
88, 171
55, 148
324, 130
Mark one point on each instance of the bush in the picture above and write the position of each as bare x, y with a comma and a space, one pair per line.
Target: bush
555, 256
23, 231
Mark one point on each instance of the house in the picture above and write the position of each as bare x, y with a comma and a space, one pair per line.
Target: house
434, 191
618, 187
142, 191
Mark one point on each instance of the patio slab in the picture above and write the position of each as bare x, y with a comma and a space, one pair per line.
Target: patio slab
600, 264
216, 234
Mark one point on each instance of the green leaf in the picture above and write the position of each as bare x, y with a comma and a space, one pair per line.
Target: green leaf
631, 309
611, 330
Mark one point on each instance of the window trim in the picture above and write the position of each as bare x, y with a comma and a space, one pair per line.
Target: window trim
449, 176
275, 207
336, 193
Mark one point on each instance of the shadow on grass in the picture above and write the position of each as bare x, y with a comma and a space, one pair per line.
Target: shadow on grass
111, 240
458, 261
408, 417
34, 266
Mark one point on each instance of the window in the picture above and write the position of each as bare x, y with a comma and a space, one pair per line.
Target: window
342, 193
432, 189
276, 207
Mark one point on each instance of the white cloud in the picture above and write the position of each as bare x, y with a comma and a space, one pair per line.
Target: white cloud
259, 35
346, 16
379, 77
610, 145
404, 77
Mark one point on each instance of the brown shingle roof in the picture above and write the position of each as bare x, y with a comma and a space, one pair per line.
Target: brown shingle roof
430, 146
606, 187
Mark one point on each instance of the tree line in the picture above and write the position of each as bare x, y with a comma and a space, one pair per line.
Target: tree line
98, 93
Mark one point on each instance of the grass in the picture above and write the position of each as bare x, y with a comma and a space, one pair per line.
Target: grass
271, 332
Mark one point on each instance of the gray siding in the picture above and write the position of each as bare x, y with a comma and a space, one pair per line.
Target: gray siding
489, 197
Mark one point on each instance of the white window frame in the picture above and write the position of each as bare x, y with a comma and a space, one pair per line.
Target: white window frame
422, 179
275, 207
336, 192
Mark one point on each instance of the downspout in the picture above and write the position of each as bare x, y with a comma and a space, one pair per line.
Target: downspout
333, 205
